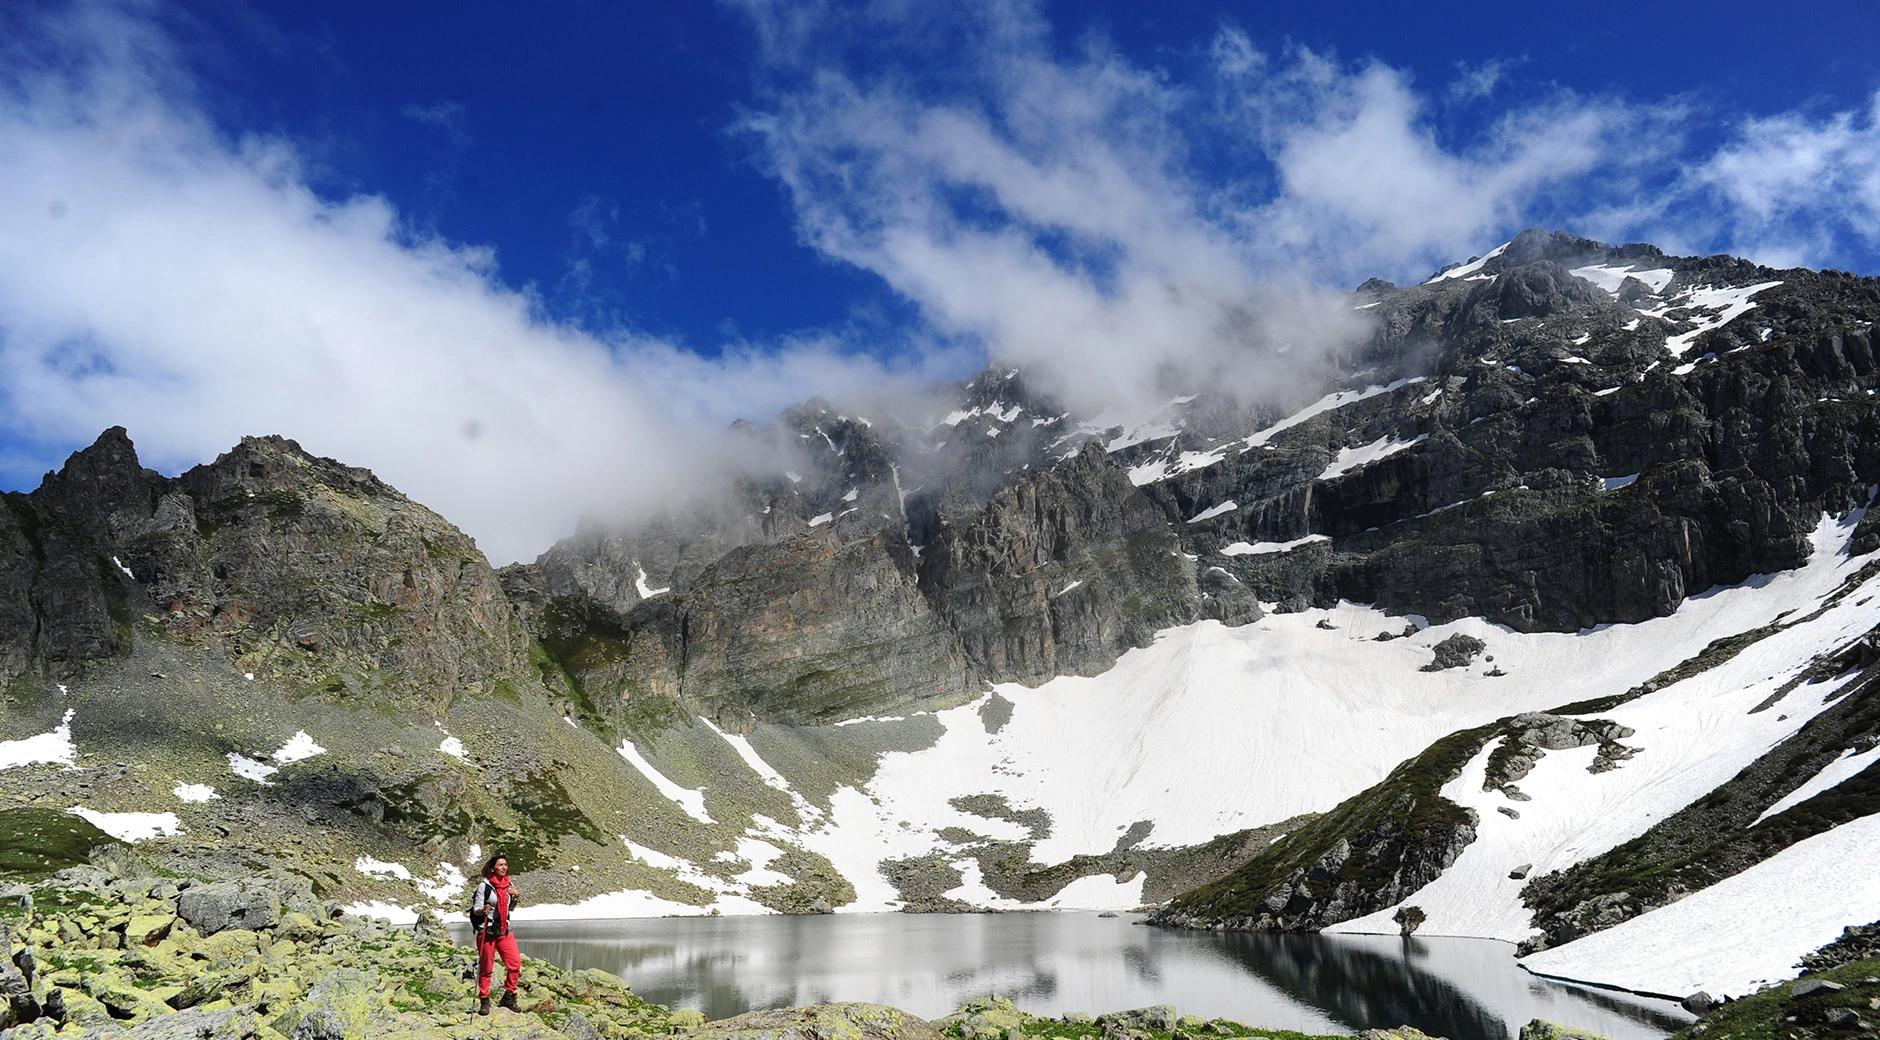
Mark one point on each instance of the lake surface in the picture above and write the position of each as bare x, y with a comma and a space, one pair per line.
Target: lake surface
1052, 963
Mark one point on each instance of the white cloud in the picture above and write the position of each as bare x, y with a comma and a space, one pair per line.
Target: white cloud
1791, 188
1072, 209
1047, 210
1475, 82
193, 288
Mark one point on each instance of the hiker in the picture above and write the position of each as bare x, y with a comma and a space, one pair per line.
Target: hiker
489, 920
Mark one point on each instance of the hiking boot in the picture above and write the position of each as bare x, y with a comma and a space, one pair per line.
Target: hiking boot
483, 1006
509, 1001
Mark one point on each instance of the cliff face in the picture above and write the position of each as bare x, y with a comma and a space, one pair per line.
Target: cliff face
1571, 434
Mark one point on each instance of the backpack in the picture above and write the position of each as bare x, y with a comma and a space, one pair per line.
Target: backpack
470, 909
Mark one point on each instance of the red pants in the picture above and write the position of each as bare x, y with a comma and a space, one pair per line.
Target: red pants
487, 949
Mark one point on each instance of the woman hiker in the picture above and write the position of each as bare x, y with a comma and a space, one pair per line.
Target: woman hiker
489, 919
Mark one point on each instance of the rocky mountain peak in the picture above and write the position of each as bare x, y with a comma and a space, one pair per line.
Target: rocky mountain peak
259, 463
1560, 247
100, 485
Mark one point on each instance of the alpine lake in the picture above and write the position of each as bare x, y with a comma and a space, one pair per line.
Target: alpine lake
1060, 962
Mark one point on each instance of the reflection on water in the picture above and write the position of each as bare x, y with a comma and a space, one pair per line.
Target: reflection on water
1051, 963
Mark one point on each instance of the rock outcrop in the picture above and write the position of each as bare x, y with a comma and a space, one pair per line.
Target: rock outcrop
299, 568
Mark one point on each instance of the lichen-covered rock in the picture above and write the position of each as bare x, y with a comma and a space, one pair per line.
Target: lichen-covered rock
1160, 1019
202, 1024
848, 1021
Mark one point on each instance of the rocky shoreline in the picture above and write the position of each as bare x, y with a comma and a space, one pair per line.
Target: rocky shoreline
117, 950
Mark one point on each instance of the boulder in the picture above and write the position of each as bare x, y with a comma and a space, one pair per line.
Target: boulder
429, 927
577, 1027
12, 979
1810, 987
1160, 1018
1455, 652
148, 929
344, 1005
848, 1021
229, 904
197, 1024
1540, 1029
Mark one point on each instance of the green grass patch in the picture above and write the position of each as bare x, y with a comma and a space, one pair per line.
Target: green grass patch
37, 842
24, 691
545, 815
1765, 1015
375, 611
1385, 825
556, 676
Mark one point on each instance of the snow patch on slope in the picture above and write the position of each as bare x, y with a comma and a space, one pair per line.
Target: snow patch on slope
1611, 276
644, 587
1213, 511
1465, 270
689, 799
1745, 931
1362, 455
54, 747
130, 826
1211, 729
1265, 548
1188, 461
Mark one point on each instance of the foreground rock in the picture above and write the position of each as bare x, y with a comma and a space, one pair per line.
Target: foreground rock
94, 955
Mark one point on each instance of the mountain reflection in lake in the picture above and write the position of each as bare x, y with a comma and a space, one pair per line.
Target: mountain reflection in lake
1051, 963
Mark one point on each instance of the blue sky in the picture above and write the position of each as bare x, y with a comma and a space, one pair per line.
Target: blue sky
594, 146
454, 243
